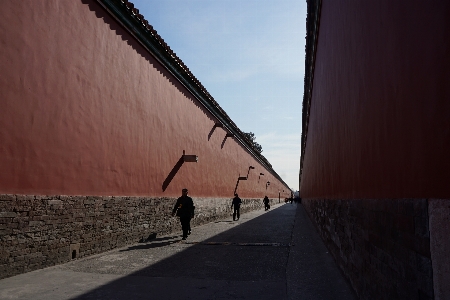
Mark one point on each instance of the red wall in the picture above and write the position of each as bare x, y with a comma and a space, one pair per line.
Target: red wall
379, 120
85, 110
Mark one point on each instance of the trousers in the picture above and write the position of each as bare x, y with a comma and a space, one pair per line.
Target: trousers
236, 212
185, 225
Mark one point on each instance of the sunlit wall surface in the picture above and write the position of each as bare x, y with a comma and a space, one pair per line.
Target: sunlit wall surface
87, 110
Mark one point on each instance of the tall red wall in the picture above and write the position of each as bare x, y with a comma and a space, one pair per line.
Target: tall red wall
85, 110
376, 168
379, 116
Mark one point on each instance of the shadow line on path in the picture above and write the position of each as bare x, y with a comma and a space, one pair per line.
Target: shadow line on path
219, 264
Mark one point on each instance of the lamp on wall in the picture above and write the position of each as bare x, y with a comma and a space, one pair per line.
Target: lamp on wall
237, 182
184, 158
225, 138
249, 168
260, 174
190, 158
267, 184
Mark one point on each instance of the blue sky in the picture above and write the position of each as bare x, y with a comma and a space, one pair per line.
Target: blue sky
249, 55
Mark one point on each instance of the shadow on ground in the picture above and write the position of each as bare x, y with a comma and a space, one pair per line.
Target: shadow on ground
155, 243
236, 260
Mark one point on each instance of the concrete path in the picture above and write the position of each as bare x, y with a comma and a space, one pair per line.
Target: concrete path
265, 255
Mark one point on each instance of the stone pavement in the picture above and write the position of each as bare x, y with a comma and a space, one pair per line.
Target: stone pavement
275, 254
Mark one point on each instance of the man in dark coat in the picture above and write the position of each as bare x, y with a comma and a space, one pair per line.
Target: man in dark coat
237, 205
184, 208
266, 202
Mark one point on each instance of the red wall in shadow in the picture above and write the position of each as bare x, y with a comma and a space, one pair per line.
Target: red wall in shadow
85, 110
379, 120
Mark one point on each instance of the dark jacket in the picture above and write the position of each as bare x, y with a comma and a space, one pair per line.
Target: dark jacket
184, 207
236, 202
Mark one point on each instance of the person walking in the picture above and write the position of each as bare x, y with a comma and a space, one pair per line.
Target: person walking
266, 202
237, 206
184, 208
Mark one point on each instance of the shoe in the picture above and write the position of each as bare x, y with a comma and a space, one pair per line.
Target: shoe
189, 232
183, 238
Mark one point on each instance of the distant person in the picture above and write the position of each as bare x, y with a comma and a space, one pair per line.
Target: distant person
266, 203
184, 208
237, 206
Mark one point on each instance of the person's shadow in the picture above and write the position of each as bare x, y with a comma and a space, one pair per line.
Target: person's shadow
155, 243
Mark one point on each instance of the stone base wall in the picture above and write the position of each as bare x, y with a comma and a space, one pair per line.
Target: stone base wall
439, 215
381, 245
41, 231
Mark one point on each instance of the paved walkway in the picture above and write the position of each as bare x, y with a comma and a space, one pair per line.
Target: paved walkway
265, 255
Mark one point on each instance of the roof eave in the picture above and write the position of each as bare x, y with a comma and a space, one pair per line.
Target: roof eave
312, 35
125, 13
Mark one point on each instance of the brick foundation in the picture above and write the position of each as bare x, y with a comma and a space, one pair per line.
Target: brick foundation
381, 245
41, 231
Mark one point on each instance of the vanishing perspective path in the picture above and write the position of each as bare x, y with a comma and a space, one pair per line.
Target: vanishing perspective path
274, 254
